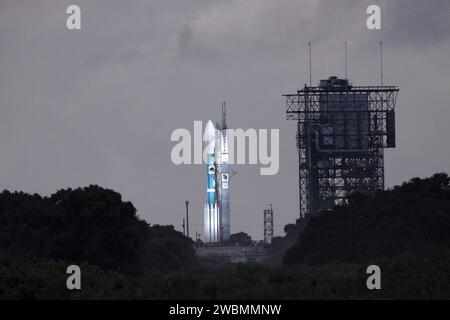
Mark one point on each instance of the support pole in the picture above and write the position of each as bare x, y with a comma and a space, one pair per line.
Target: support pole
187, 218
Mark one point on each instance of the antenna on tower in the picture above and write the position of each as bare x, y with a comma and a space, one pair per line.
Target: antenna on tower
224, 111
310, 72
345, 49
381, 61
223, 125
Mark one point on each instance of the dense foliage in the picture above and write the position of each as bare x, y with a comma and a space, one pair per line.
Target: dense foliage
241, 238
411, 218
407, 277
90, 225
404, 230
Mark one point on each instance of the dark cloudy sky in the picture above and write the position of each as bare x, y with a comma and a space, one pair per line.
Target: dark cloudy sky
97, 106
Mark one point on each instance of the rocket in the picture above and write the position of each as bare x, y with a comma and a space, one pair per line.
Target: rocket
217, 209
211, 210
210, 138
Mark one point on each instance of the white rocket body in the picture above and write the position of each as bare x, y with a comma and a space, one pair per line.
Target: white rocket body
211, 211
217, 209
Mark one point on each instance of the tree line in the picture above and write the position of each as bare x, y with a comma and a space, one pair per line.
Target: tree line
88, 225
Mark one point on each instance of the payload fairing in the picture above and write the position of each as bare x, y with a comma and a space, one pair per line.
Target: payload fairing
217, 208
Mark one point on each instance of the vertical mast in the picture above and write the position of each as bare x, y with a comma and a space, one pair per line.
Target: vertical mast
381, 61
346, 78
187, 218
310, 71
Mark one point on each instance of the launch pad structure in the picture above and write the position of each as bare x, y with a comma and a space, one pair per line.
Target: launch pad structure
342, 131
223, 176
268, 225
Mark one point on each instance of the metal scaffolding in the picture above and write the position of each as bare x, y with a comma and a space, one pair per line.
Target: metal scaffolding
268, 225
341, 133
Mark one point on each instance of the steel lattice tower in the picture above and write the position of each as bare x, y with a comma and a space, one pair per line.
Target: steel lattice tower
268, 225
342, 131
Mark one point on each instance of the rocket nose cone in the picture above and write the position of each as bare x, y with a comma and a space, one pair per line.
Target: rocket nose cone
210, 132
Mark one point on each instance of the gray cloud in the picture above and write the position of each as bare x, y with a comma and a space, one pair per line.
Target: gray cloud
99, 105
282, 25
418, 23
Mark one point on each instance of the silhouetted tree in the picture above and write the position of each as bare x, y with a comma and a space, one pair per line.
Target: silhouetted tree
91, 225
411, 218
241, 238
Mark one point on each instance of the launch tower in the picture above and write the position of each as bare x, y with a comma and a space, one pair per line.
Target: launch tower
223, 176
342, 131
